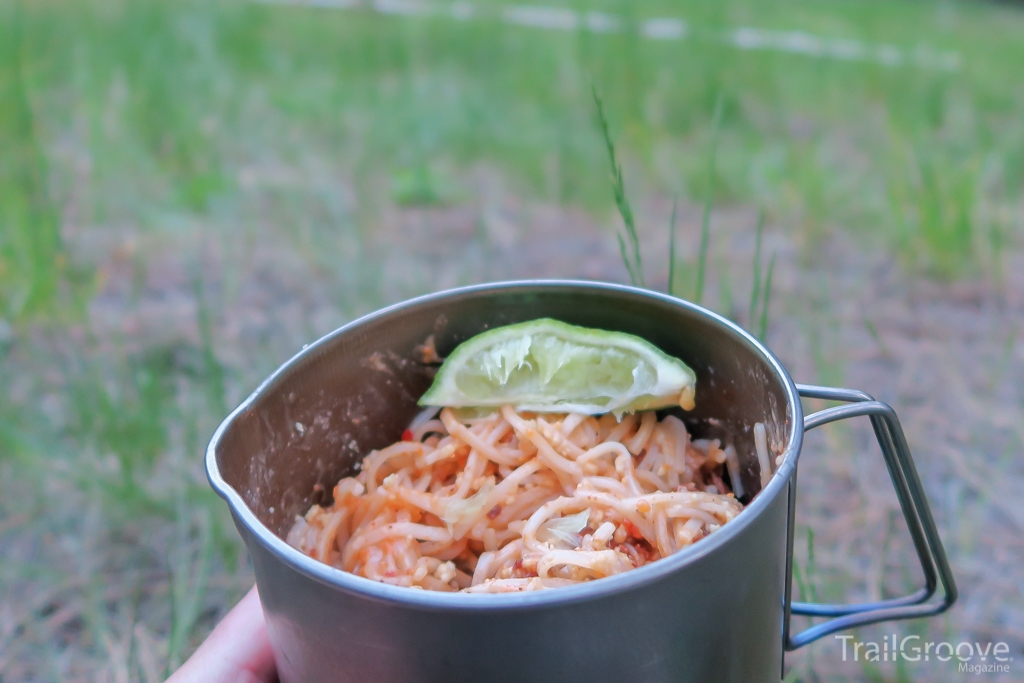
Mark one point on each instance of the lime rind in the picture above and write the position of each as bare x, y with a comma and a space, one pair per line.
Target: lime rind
547, 365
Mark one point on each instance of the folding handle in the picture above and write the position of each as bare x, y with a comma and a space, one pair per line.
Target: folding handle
915, 510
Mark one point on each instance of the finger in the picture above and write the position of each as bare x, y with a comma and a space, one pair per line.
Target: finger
237, 651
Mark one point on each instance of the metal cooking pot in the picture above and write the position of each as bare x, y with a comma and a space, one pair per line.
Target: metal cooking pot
718, 610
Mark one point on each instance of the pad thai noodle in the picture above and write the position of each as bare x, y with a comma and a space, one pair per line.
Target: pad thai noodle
517, 501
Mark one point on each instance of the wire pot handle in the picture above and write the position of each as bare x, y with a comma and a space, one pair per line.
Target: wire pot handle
915, 510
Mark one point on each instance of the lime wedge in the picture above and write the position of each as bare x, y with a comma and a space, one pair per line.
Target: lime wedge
549, 366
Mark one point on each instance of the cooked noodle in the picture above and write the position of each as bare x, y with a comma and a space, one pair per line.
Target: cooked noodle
513, 502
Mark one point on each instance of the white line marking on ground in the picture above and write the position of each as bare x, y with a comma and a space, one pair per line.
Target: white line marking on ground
663, 28
556, 18
599, 22
409, 8
462, 10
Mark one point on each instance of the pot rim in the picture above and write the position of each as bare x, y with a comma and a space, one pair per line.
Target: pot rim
336, 578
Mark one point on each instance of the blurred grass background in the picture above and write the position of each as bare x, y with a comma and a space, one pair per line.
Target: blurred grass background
190, 190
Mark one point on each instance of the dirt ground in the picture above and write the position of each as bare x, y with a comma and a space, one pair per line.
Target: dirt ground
948, 356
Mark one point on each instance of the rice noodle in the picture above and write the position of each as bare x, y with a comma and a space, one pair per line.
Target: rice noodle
761, 446
512, 502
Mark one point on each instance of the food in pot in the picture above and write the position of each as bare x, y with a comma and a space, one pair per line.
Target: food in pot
565, 481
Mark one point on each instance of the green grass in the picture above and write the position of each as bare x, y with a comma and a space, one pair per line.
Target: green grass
709, 200
629, 246
176, 97
672, 246
159, 114
31, 254
761, 289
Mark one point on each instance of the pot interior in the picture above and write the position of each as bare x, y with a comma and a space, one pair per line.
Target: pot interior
356, 389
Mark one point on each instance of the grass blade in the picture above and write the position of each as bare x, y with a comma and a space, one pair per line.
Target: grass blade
189, 579
212, 368
672, 248
630, 246
812, 567
755, 289
625, 259
869, 325
762, 327
705, 224
801, 585
31, 249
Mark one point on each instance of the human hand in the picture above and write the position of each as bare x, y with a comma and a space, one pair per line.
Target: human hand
238, 650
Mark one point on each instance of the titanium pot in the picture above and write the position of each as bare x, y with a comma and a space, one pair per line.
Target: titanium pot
718, 610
